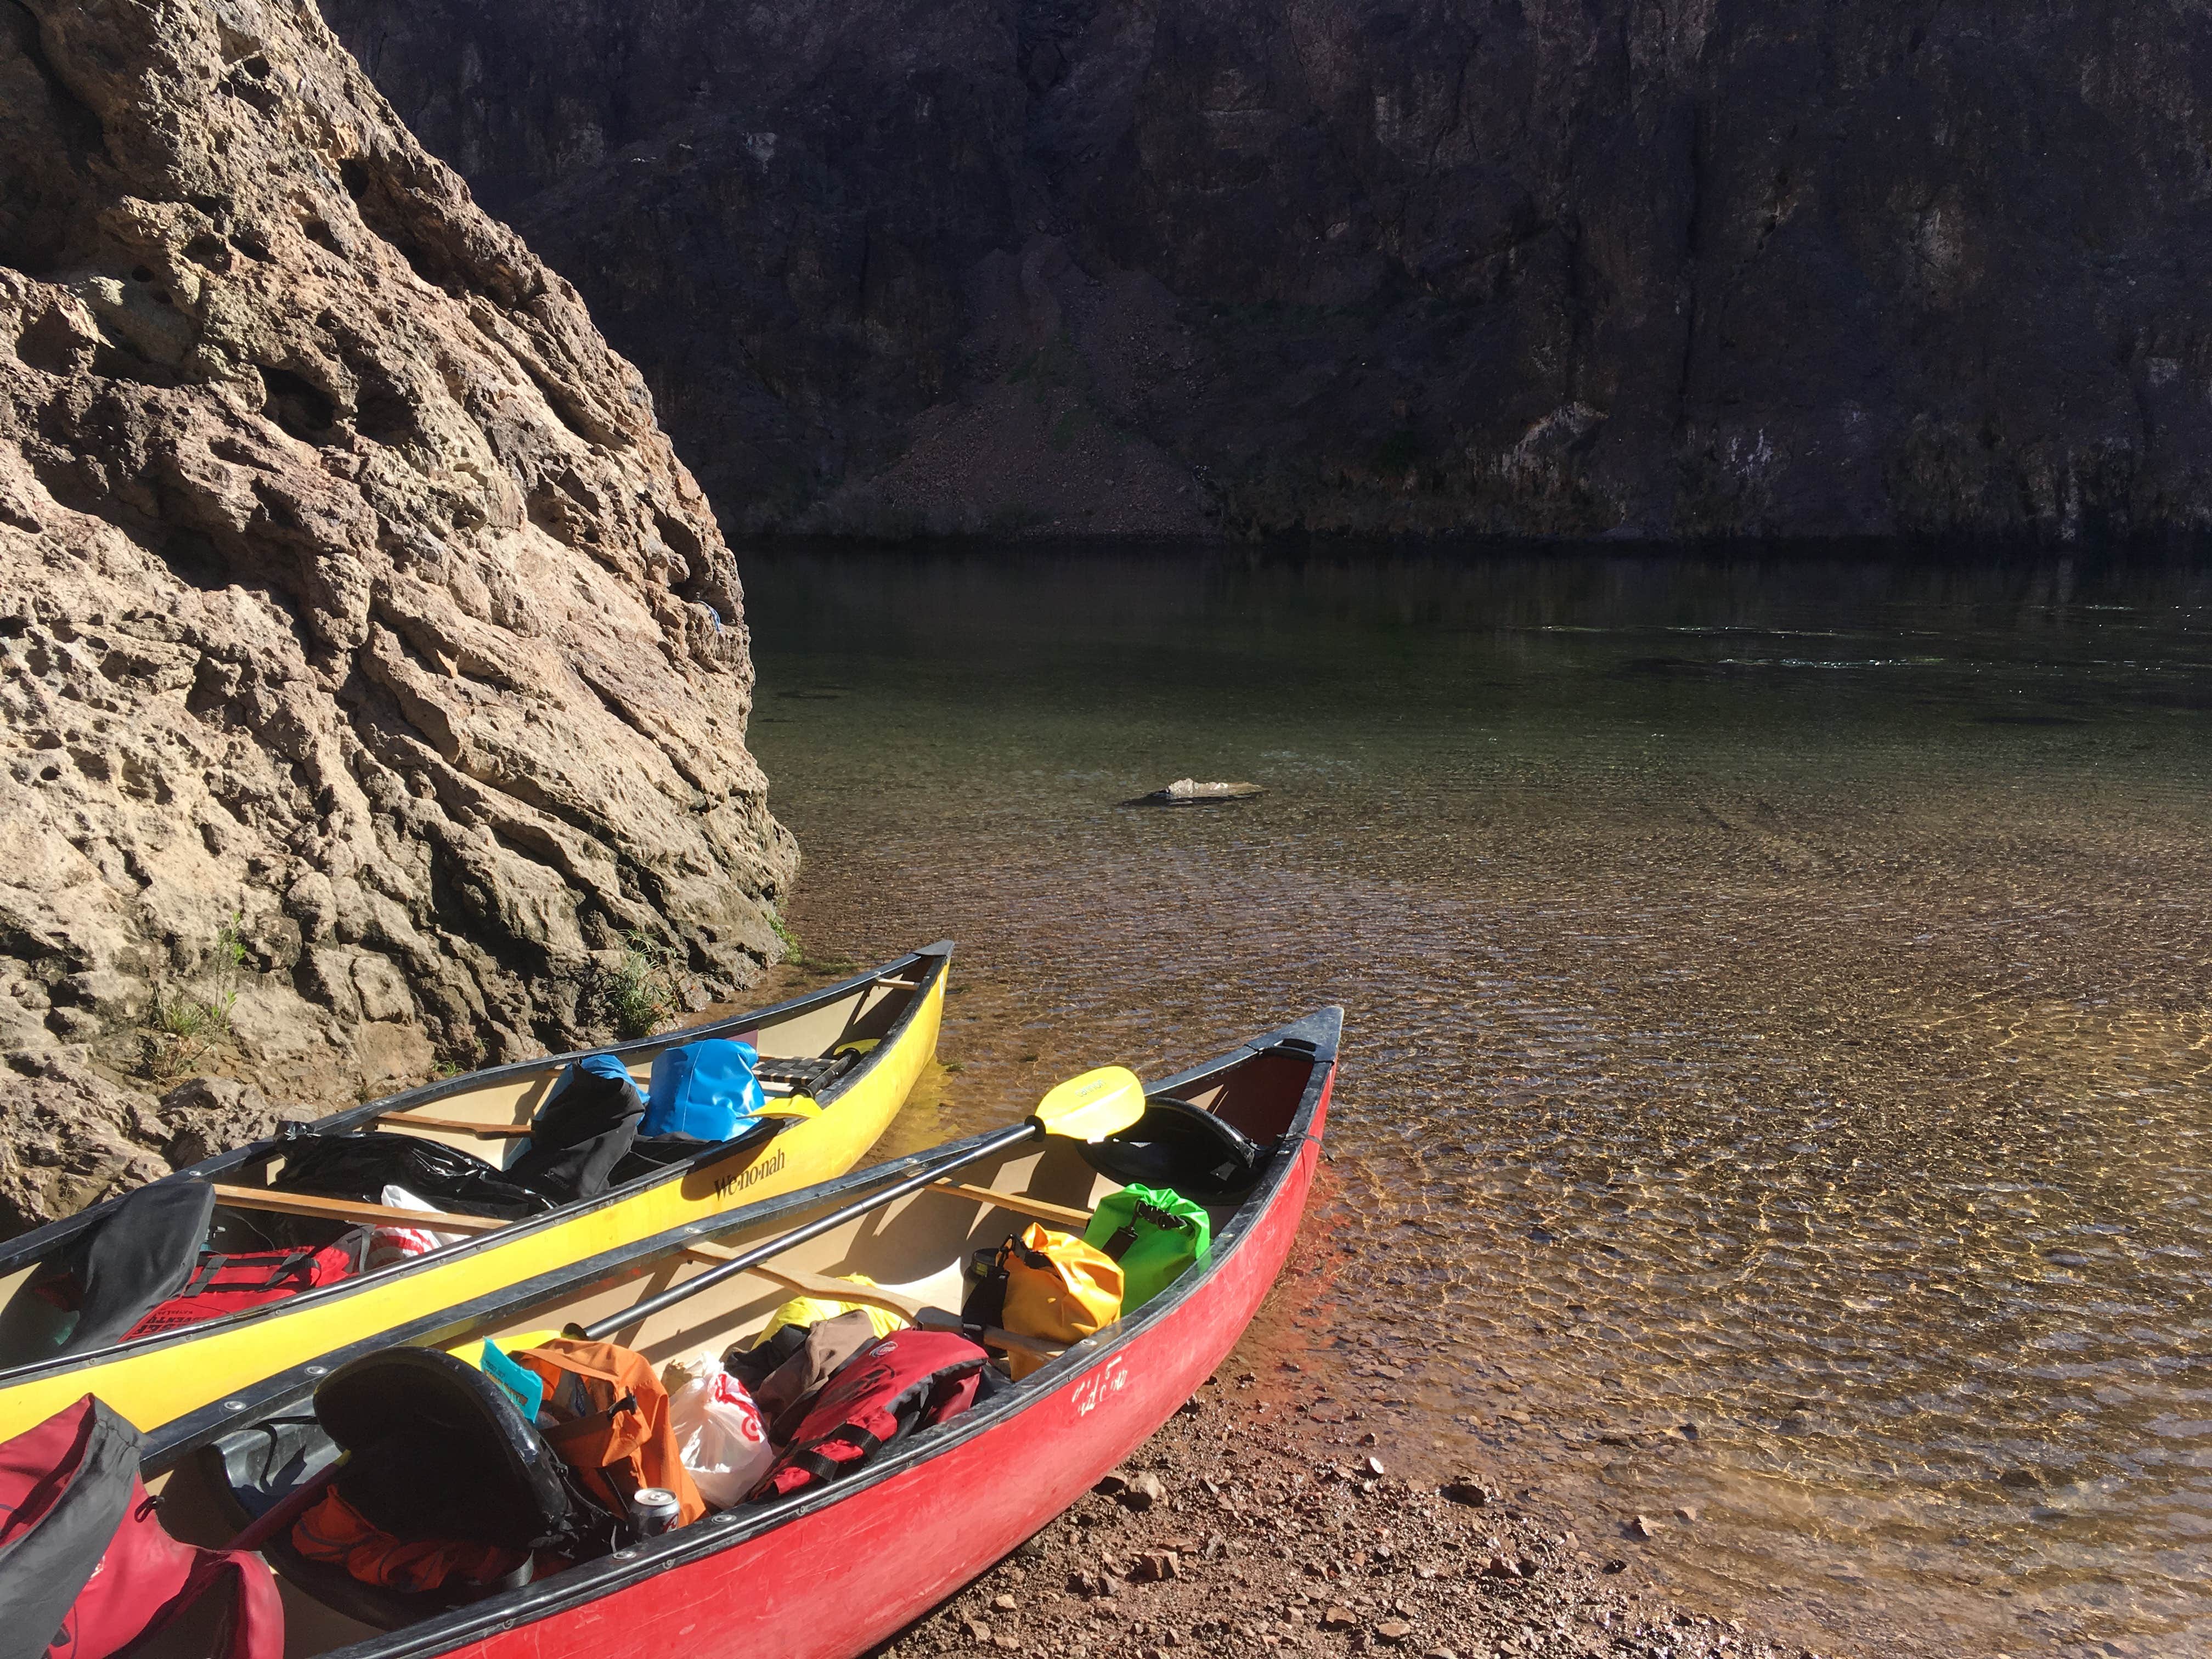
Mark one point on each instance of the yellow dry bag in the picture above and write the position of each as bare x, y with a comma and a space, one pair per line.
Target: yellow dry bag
1057, 1289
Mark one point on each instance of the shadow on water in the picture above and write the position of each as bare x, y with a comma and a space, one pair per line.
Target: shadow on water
1781, 1012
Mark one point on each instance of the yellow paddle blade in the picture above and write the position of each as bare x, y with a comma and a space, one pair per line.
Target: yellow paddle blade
791, 1106
1093, 1106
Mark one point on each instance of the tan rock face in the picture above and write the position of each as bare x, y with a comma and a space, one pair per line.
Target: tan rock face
368, 662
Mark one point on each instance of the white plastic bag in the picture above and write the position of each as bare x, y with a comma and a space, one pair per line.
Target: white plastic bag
718, 1432
388, 1246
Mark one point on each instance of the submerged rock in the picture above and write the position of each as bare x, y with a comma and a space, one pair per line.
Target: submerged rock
1188, 791
370, 667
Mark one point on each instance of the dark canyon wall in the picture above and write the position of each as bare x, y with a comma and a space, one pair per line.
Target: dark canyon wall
373, 675
1758, 265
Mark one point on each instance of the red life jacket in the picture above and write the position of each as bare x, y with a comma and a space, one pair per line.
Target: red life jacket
898, 1383
82, 1557
223, 1285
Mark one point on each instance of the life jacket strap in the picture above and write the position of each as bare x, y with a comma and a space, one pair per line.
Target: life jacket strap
828, 1468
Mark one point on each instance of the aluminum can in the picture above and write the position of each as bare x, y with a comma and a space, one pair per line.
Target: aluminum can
653, 1511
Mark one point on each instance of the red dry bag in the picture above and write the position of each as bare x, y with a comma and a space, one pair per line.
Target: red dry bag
86, 1569
896, 1384
223, 1285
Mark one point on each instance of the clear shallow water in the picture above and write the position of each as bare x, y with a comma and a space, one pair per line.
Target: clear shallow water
1780, 1002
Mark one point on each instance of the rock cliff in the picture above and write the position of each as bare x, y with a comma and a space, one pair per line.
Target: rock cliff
1383, 265
373, 677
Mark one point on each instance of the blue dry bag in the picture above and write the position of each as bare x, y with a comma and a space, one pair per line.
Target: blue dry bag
704, 1089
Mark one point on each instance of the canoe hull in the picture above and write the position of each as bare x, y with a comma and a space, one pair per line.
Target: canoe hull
834, 1582
155, 1382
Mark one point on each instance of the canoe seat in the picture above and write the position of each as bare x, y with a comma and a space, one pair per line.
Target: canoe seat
251, 1470
1183, 1147
440, 1451
437, 1451
806, 1074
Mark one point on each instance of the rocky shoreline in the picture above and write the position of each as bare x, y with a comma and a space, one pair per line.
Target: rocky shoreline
1243, 1528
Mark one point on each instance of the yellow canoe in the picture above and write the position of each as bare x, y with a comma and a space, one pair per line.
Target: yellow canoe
157, 1378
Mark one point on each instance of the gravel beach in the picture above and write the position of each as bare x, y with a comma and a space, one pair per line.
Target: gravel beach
1243, 1529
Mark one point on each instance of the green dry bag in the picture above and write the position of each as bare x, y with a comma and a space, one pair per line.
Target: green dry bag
1153, 1233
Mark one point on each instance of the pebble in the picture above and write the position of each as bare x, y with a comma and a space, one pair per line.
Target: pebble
1393, 1631
1641, 1526
979, 1630
1466, 1489
1686, 1512
1339, 1619
1003, 1603
1143, 1492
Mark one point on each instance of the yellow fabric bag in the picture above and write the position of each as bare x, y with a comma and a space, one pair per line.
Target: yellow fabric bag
1058, 1288
812, 1311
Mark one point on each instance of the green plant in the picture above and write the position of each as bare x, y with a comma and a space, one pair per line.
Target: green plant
641, 991
793, 952
230, 946
181, 1027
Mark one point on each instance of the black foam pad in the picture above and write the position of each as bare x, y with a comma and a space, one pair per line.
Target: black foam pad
138, 1256
1183, 1148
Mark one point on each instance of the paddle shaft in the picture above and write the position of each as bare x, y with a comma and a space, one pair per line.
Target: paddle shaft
1004, 1140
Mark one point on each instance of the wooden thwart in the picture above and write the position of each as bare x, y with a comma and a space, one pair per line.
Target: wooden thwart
457, 1126
348, 1209
823, 1288
1036, 1208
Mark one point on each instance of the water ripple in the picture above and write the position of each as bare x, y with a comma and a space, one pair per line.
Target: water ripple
1778, 1096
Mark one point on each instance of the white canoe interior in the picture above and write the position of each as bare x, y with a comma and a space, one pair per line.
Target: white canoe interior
918, 1246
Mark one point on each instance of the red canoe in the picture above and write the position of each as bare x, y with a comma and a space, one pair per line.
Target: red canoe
830, 1573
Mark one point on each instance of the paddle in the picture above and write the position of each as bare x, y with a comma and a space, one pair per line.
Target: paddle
1087, 1107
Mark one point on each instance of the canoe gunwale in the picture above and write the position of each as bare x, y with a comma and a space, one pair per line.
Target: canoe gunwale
591, 1581
934, 959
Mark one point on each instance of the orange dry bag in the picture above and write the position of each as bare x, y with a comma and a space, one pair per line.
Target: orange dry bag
611, 1423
